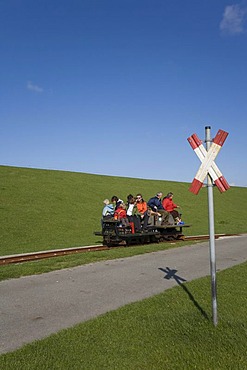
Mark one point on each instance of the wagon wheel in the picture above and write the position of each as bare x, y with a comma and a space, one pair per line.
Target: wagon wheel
126, 241
107, 240
169, 238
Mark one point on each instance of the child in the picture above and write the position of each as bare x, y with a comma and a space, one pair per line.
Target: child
121, 215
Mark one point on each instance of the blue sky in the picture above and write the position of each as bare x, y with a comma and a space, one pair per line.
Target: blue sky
116, 87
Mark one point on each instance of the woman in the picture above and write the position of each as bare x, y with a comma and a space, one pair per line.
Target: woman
170, 206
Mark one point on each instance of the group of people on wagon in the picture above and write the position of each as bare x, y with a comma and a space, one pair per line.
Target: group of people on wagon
136, 211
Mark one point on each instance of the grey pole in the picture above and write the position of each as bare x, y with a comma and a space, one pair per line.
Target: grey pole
211, 233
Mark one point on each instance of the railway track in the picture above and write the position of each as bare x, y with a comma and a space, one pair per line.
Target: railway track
20, 258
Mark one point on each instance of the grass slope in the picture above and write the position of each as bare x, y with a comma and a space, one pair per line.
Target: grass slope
172, 330
44, 209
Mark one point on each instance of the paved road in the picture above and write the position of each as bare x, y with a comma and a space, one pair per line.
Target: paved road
36, 306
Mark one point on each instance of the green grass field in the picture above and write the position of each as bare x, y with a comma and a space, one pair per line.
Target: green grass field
44, 209
172, 330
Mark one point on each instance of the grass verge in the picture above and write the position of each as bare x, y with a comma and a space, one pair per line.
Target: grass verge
172, 330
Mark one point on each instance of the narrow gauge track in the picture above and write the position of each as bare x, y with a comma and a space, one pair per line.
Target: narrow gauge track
27, 257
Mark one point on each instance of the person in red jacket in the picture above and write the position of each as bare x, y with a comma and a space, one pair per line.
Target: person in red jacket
120, 214
170, 206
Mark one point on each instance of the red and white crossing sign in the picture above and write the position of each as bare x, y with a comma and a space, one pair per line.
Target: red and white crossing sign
208, 165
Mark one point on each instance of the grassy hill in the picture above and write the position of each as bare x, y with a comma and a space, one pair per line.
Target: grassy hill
44, 209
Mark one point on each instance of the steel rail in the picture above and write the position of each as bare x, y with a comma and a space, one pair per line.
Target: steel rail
19, 258
28, 257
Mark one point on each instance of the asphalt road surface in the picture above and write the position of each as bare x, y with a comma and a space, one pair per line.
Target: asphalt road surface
34, 307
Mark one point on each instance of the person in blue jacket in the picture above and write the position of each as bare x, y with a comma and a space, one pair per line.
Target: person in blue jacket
155, 204
108, 210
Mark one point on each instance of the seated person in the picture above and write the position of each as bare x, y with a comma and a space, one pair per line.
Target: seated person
120, 214
155, 202
108, 210
143, 210
170, 206
116, 201
132, 213
156, 206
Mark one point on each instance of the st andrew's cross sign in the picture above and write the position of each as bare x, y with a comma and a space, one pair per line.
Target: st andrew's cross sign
208, 165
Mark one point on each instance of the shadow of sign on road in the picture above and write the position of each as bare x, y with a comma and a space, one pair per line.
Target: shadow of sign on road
171, 274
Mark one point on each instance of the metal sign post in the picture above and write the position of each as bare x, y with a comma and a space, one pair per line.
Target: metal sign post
211, 233
209, 169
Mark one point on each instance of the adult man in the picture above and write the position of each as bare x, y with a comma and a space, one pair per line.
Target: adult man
156, 206
143, 210
155, 202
